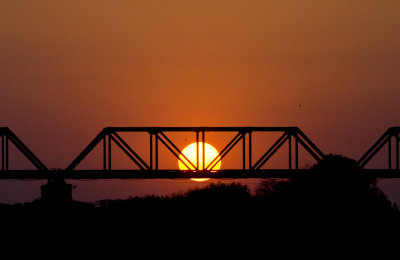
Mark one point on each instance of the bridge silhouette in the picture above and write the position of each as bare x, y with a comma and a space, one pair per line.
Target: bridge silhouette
158, 136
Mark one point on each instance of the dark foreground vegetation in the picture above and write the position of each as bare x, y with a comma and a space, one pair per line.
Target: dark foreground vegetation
333, 213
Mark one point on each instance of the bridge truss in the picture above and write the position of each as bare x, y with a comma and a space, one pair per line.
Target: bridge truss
148, 166
390, 136
8, 136
158, 136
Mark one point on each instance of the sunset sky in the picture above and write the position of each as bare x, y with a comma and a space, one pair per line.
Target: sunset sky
70, 68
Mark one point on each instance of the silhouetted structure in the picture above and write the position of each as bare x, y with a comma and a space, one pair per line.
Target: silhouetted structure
110, 135
386, 138
158, 135
6, 136
56, 191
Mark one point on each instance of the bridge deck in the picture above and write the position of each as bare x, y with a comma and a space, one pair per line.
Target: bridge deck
178, 174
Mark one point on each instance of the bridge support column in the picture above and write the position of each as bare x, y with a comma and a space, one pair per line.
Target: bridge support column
56, 191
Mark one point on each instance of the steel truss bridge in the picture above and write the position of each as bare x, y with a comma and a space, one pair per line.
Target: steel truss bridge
158, 136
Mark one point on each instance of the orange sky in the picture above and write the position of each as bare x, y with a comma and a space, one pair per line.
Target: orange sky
70, 68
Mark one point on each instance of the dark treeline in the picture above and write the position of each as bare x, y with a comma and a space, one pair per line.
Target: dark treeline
333, 211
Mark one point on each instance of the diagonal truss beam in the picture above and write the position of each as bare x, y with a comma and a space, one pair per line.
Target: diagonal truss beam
177, 151
130, 152
8, 135
224, 151
268, 154
386, 138
310, 146
87, 150
125, 150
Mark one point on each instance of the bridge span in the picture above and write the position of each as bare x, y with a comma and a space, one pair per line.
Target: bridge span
147, 166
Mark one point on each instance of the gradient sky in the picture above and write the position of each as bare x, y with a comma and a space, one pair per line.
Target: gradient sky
70, 68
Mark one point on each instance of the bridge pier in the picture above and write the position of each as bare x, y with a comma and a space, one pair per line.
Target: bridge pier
56, 191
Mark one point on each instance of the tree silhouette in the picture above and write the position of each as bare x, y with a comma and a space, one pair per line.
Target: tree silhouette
334, 162
334, 190
323, 210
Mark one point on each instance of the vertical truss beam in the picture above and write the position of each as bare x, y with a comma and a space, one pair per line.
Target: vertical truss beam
203, 137
197, 151
244, 150
389, 153
109, 152
151, 151
296, 151
290, 151
104, 152
250, 150
3, 152
397, 151
157, 152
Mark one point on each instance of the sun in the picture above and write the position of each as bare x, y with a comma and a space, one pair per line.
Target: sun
190, 152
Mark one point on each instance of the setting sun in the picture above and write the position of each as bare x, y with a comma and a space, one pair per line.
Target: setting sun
190, 151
